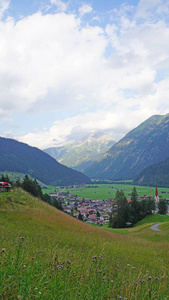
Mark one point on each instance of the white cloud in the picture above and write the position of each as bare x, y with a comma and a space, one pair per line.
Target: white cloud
62, 6
54, 62
49, 57
4, 5
119, 120
85, 9
149, 8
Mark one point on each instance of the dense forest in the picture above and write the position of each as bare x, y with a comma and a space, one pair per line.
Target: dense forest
126, 214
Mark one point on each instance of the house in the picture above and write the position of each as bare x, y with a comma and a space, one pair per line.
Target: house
5, 187
92, 218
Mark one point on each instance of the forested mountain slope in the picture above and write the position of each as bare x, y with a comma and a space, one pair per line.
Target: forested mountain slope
19, 157
145, 145
156, 174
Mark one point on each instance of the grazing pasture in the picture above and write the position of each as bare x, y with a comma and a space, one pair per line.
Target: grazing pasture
106, 191
46, 254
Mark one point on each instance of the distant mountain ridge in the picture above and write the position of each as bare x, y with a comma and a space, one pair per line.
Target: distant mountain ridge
145, 145
19, 157
80, 154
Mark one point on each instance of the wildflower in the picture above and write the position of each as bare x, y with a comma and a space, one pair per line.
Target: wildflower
79, 294
3, 250
20, 278
149, 278
67, 261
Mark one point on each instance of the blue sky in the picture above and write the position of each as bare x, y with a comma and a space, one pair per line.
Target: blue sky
69, 68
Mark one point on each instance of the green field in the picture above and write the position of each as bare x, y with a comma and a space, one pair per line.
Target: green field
106, 191
97, 191
46, 254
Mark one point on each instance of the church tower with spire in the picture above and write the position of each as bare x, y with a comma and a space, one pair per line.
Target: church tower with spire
156, 195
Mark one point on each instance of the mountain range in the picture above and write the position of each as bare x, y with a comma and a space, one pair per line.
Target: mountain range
19, 157
142, 156
145, 145
80, 154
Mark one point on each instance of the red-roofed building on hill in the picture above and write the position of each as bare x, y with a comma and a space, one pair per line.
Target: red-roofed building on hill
156, 195
4, 186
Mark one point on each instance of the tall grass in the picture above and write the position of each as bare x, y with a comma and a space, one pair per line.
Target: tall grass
46, 254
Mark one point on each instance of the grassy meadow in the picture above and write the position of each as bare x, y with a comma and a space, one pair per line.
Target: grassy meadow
106, 191
46, 254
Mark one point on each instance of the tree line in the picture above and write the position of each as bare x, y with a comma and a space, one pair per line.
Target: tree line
126, 214
31, 186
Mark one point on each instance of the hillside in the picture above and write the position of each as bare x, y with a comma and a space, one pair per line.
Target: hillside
46, 254
19, 157
145, 145
156, 174
80, 154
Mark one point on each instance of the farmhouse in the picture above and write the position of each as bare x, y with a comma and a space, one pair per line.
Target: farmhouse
4, 186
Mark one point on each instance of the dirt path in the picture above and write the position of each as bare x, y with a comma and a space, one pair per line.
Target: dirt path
155, 227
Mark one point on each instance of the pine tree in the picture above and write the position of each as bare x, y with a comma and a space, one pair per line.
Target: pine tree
120, 213
80, 217
162, 207
134, 207
57, 203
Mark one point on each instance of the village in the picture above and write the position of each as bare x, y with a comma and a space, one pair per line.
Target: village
90, 211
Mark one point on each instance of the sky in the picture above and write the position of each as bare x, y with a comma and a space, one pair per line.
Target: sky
69, 68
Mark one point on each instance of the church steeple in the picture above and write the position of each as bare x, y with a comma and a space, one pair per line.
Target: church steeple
156, 195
